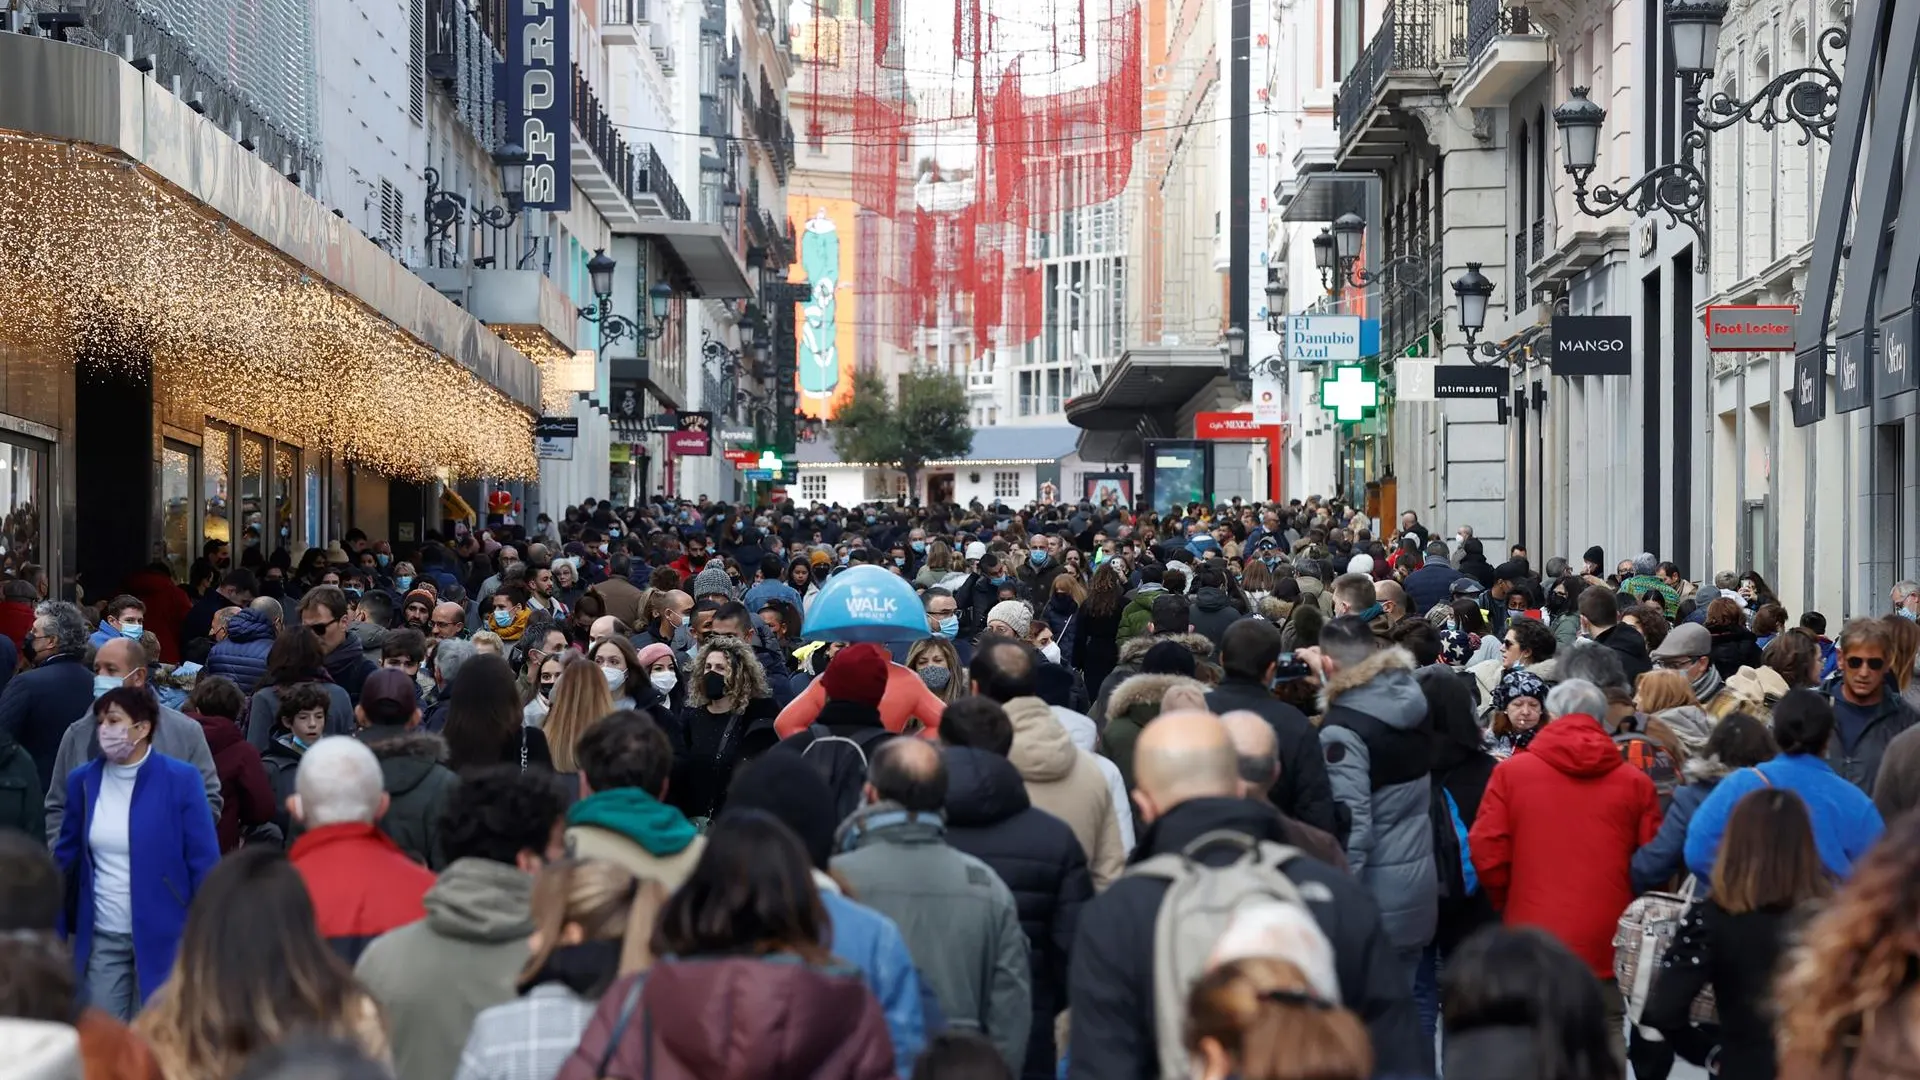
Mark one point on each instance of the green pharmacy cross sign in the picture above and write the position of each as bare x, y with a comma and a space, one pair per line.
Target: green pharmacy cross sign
1349, 393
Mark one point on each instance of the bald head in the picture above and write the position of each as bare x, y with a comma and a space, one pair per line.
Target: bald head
449, 619
1257, 750
1392, 597
910, 772
603, 628
1184, 697
124, 659
1182, 756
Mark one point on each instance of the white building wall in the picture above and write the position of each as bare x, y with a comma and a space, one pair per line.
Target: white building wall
365, 132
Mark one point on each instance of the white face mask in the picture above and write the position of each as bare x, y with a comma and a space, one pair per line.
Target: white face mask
1051, 650
665, 681
616, 678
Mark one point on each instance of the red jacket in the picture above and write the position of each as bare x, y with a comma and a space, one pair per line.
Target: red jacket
167, 608
362, 884
904, 699
16, 622
1556, 833
247, 797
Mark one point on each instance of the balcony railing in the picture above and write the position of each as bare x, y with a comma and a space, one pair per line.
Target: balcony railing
599, 133
1488, 19
623, 12
1413, 304
652, 178
1415, 36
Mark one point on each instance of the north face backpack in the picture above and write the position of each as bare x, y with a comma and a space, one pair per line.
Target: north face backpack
1200, 903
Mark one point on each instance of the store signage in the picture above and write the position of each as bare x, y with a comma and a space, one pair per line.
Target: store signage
1593, 345
736, 435
553, 449
539, 94
1323, 339
556, 427
759, 476
1809, 390
740, 459
1350, 394
1269, 394
1750, 327
1231, 425
1469, 381
1852, 372
1898, 369
1413, 379
692, 434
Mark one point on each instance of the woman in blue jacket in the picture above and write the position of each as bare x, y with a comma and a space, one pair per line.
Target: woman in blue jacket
134, 854
1738, 742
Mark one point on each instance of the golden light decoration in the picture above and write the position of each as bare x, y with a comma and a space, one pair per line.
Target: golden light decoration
108, 266
548, 355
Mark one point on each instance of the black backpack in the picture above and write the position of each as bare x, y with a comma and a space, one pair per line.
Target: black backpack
842, 761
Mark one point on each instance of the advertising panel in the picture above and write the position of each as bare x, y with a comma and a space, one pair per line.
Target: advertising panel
829, 309
539, 97
1593, 345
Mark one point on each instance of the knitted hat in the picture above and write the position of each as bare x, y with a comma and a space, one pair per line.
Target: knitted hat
1168, 658
858, 674
1360, 564
712, 581
792, 790
1456, 647
653, 654
1518, 683
422, 596
1014, 613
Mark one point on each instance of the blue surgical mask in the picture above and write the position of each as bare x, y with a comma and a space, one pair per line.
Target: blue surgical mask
1907, 614
381, 560
950, 626
132, 630
404, 581
1002, 580
104, 683
871, 519
899, 560
502, 617
919, 545
1037, 558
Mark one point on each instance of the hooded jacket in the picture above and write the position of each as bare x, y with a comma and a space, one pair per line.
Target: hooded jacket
433, 977
1110, 983
362, 884
1212, 612
738, 1018
1065, 781
1556, 833
1845, 822
958, 918
242, 657
1137, 614
1378, 747
417, 786
1132, 653
349, 666
1631, 646
247, 796
1860, 763
990, 818
635, 831
1131, 707
1303, 792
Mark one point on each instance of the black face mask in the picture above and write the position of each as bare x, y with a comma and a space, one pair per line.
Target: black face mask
714, 684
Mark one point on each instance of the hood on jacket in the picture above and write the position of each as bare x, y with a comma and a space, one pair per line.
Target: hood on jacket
1135, 649
481, 900
248, 625
638, 816
1691, 725
1171, 832
1706, 770
1381, 686
1211, 599
983, 788
221, 732
370, 636
744, 1018
1139, 690
1080, 728
1042, 751
407, 758
1577, 746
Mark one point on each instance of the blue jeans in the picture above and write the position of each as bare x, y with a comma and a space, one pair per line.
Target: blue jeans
112, 982
1426, 994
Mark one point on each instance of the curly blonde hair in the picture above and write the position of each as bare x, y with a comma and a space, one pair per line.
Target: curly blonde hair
1857, 955
747, 683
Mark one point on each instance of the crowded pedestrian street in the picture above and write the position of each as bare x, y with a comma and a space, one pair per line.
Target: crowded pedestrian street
959, 540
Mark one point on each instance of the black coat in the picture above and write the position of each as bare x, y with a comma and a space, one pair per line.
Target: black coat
711, 747
39, 704
349, 667
1733, 650
1212, 612
1463, 771
1303, 791
1626, 641
1738, 956
1096, 645
1110, 982
1036, 854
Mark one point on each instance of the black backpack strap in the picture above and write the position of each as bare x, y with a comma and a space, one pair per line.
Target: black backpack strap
627, 1005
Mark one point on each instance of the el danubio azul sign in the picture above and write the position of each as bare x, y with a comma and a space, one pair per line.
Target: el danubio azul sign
1324, 339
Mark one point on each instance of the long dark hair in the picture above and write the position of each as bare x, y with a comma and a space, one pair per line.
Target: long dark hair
252, 969
1107, 594
1768, 860
752, 891
295, 658
483, 713
1525, 979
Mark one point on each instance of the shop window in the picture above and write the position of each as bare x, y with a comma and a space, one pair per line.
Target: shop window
336, 497
1006, 485
813, 487
23, 487
286, 498
253, 501
216, 464
178, 465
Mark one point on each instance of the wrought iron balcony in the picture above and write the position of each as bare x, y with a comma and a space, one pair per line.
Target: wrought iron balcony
597, 130
1488, 19
1417, 38
653, 186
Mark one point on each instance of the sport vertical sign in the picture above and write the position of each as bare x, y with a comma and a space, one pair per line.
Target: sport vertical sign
539, 99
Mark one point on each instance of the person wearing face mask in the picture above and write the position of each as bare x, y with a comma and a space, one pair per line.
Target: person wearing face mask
510, 612
124, 616
937, 662
123, 663
729, 705
126, 925
546, 674
620, 665
662, 668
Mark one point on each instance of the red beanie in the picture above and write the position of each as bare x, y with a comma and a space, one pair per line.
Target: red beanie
858, 673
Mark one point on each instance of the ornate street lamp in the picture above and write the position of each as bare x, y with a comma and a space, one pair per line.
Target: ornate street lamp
445, 209
1276, 303
1323, 258
613, 327
1473, 290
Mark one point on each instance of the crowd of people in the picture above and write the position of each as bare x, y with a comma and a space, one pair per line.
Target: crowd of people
1273, 792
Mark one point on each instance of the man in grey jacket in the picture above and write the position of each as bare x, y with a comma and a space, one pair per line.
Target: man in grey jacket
1378, 747
958, 918
176, 735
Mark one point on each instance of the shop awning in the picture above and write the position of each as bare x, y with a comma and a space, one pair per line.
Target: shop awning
700, 249
1147, 381
137, 225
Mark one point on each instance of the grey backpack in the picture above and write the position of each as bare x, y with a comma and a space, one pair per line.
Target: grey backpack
1200, 903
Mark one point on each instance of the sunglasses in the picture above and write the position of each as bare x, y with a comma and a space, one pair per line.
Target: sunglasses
1871, 663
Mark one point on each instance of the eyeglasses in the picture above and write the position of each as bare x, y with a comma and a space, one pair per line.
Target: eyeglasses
1675, 663
1871, 663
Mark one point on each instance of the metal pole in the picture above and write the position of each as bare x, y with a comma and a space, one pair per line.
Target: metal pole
1239, 164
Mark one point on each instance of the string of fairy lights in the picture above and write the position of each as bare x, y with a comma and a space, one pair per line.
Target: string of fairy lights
106, 266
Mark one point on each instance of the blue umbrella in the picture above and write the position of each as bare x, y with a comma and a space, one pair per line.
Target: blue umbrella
865, 603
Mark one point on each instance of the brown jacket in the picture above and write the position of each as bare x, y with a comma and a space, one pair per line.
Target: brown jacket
111, 1051
1888, 1048
739, 1018
623, 599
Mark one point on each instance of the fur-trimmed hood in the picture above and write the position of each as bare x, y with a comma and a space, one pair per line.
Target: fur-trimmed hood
1146, 690
1706, 770
423, 745
1381, 686
1135, 650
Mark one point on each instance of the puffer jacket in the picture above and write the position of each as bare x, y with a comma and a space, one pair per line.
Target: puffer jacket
243, 656
738, 1018
1378, 747
1213, 611
1133, 652
990, 818
1131, 707
417, 787
1065, 781
1137, 614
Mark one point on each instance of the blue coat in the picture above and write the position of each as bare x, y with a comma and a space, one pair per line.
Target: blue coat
40, 703
1845, 822
174, 848
243, 656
